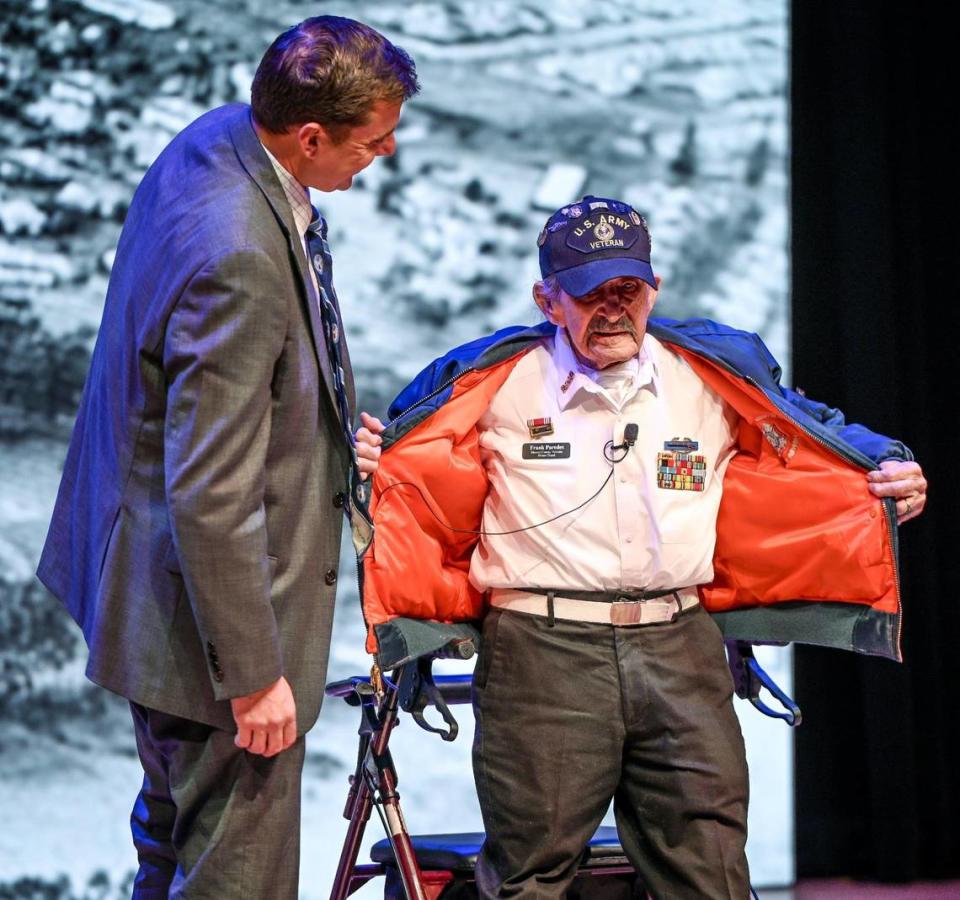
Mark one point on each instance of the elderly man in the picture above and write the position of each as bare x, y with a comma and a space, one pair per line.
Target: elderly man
196, 533
596, 485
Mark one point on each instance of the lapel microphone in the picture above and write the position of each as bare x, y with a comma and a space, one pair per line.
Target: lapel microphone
630, 434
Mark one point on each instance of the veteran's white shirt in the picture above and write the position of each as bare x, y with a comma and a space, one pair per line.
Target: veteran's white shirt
653, 525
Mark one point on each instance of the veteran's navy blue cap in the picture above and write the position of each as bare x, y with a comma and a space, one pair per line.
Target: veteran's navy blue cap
593, 240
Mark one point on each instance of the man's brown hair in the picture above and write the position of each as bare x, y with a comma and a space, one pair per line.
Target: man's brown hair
329, 70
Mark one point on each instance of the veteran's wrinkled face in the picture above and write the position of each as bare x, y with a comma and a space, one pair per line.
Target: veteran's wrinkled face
605, 326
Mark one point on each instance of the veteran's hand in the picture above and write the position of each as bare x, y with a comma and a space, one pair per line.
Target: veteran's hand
905, 482
368, 444
266, 720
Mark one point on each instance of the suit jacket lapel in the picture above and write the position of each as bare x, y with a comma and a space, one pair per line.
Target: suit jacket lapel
255, 160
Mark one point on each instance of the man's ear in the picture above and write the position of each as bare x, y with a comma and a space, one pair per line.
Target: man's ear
312, 138
550, 308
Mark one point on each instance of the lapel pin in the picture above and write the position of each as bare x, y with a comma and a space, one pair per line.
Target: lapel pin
540, 427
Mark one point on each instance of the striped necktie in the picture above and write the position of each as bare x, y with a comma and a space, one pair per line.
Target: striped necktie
355, 506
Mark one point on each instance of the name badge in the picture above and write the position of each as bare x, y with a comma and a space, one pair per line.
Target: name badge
546, 450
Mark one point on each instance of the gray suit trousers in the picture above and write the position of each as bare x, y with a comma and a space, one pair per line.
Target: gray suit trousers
213, 822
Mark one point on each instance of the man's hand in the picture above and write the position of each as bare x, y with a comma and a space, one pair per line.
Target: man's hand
266, 720
903, 480
368, 444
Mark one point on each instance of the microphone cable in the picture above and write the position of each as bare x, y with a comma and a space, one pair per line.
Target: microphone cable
630, 433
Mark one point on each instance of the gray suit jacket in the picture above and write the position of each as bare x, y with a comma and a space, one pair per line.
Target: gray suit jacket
196, 533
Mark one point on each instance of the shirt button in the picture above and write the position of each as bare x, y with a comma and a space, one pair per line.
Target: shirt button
331, 576
338, 499
629, 540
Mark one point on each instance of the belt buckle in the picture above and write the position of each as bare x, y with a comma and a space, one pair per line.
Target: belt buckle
626, 612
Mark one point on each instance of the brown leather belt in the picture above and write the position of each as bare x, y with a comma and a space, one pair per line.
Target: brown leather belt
626, 608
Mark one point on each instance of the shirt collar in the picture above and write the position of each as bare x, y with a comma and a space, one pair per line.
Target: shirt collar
297, 195
573, 376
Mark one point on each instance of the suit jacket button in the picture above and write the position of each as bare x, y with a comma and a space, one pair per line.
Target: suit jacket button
217, 675
331, 576
338, 499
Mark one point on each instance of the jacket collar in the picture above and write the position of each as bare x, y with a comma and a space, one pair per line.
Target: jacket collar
254, 159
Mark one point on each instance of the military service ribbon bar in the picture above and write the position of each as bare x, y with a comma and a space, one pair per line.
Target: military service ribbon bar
540, 427
679, 468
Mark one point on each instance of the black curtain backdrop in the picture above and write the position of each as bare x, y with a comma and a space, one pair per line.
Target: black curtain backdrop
876, 253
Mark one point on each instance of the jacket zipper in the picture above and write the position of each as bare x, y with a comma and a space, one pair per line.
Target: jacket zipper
431, 395
894, 543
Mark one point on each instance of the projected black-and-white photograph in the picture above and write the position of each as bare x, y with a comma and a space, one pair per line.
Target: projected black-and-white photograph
676, 108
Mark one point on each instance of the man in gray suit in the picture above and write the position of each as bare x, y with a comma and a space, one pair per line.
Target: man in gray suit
196, 533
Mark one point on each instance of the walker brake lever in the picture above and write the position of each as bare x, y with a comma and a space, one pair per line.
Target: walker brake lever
417, 690
749, 678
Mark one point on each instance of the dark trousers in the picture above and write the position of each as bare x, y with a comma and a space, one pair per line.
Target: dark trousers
213, 822
571, 716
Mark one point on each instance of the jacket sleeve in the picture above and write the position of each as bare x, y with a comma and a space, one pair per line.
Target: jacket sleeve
874, 446
221, 345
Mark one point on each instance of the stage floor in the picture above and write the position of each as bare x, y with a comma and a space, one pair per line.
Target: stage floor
847, 889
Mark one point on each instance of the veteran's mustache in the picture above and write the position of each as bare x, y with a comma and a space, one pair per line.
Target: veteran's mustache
602, 326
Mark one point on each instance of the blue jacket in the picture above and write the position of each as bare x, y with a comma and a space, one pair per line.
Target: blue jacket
804, 551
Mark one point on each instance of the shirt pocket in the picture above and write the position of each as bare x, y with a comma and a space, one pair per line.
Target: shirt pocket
683, 517
682, 479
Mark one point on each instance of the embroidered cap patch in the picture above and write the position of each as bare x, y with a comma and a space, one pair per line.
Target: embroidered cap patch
680, 467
